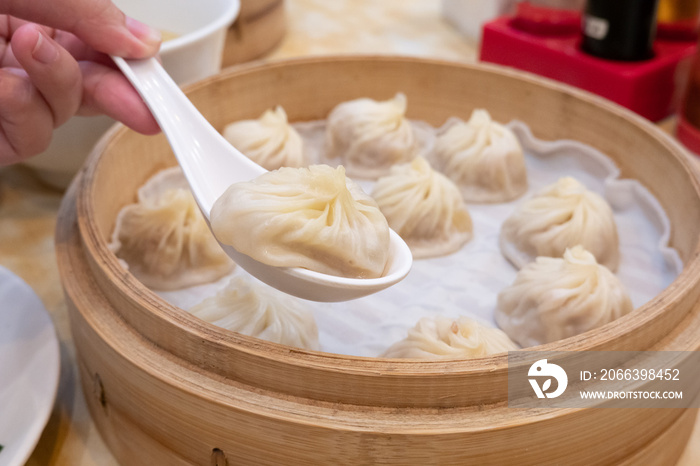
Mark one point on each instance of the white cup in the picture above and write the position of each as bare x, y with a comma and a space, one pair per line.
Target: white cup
195, 53
200, 27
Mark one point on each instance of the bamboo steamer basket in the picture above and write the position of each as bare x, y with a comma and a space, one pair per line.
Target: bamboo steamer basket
259, 28
164, 387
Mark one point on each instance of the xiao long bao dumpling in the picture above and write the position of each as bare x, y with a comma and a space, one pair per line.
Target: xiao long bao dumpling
164, 239
556, 298
270, 141
560, 216
260, 311
424, 208
443, 337
371, 136
314, 217
483, 157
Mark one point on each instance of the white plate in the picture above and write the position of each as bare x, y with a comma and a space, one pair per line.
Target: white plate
29, 369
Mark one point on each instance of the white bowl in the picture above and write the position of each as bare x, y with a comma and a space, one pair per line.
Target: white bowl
200, 27
194, 54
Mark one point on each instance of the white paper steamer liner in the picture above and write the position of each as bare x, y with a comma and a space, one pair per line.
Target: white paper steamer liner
468, 281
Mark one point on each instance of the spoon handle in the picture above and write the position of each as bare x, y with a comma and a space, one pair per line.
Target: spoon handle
162, 95
209, 162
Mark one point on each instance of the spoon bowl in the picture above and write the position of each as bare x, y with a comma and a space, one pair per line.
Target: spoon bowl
211, 164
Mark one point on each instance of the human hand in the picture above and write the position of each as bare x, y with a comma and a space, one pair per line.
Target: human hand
53, 66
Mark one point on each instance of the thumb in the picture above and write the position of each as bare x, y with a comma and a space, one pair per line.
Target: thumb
98, 23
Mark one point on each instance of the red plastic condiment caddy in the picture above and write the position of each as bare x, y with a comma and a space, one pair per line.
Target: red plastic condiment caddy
550, 45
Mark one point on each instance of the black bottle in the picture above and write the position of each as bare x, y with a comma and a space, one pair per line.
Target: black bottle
619, 29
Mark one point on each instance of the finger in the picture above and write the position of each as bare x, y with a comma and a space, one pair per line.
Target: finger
51, 69
107, 91
26, 123
8, 26
99, 23
76, 47
80, 50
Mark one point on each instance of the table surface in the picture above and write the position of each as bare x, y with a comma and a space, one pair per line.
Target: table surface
28, 208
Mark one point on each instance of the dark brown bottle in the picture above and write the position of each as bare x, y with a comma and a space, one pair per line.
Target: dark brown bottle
619, 29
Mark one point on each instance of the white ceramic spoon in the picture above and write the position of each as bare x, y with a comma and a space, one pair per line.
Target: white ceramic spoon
211, 165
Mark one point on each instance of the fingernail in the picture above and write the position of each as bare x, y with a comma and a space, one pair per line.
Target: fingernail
44, 51
146, 34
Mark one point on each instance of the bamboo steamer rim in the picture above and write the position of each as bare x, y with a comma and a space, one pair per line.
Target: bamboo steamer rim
605, 336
